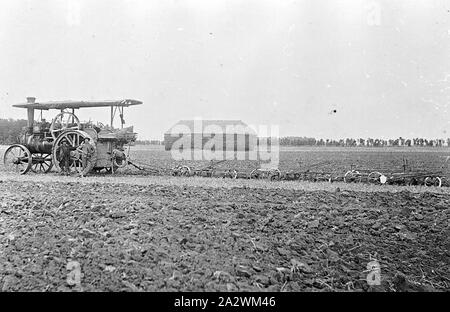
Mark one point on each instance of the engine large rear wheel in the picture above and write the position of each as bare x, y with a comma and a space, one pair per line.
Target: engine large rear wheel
74, 139
62, 122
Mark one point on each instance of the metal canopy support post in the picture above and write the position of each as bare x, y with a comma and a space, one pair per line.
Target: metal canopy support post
113, 112
121, 117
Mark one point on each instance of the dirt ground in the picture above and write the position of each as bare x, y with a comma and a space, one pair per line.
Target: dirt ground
198, 234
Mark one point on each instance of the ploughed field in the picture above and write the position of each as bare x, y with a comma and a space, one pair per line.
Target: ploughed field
130, 233
176, 233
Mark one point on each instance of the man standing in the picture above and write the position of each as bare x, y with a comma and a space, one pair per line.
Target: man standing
87, 151
64, 157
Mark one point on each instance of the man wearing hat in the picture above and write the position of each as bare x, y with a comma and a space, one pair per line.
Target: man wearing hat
63, 153
87, 151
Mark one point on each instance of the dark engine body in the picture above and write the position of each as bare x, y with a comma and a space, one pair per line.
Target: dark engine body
36, 143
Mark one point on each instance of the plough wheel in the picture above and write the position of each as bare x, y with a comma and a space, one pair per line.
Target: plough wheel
231, 174
17, 158
430, 181
185, 171
181, 171
275, 175
272, 174
255, 174
352, 176
376, 178
348, 175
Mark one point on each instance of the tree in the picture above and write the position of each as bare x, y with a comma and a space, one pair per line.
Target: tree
10, 129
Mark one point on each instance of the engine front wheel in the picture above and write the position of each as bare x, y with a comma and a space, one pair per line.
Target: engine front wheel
17, 158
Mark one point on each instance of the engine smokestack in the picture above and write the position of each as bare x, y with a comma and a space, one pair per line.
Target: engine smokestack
30, 111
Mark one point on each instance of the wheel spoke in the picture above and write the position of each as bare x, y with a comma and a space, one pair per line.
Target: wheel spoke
19, 167
70, 140
64, 121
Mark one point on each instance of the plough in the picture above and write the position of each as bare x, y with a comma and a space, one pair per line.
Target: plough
209, 171
399, 178
372, 176
406, 177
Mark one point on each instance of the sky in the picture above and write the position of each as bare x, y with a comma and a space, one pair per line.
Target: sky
326, 69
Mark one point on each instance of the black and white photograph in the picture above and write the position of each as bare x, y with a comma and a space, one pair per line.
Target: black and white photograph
241, 148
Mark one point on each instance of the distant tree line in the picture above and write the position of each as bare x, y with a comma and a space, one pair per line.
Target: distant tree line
149, 142
370, 142
10, 129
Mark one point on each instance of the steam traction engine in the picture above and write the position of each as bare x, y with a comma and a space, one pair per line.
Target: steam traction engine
36, 149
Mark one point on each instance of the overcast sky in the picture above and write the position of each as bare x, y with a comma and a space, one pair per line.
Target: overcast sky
384, 66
